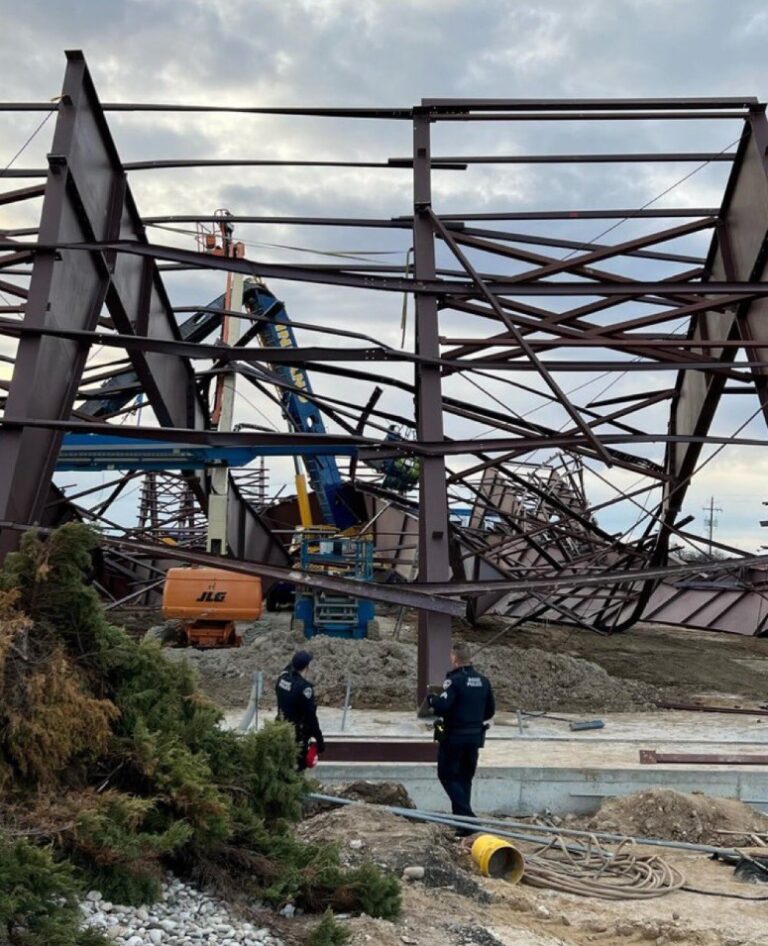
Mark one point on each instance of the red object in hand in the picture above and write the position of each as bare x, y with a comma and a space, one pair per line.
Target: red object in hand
311, 756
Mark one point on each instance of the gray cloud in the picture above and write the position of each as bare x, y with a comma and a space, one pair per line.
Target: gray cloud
393, 52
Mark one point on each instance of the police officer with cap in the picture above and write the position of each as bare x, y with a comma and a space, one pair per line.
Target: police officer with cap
464, 708
296, 704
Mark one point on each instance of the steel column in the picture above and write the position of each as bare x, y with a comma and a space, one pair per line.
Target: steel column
67, 290
434, 560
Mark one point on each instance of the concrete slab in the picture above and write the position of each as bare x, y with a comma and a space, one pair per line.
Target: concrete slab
548, 767
663, 725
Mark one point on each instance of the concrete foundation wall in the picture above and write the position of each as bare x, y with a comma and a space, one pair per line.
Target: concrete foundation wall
528, 791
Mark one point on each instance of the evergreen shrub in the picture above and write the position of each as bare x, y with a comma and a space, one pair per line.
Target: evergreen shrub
114, 751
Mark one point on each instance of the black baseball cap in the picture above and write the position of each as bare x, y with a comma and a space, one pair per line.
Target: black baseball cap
301, 659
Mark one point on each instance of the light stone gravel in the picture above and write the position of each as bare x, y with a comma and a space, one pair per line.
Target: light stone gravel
184, 916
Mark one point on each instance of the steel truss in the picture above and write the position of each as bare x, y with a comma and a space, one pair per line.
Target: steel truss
536, 309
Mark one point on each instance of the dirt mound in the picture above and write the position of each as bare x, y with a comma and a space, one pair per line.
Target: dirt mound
534, 679
663, 813
378, 793
365, 832
372, 793
383, 672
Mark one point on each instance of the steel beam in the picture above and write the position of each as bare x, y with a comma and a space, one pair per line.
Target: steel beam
586, 105
335, 275
87, 199
406, 222
699, 157
379, 750
519, 338
25, 193
391, 164
445, 605
652, 757
560, 563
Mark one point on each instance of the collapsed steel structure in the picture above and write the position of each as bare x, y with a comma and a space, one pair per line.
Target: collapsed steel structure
531, 546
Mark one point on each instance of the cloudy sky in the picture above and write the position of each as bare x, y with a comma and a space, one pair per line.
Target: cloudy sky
393, 53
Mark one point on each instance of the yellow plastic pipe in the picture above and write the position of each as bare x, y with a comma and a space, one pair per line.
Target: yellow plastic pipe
498, 858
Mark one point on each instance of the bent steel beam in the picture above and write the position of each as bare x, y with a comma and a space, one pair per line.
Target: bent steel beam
738, 251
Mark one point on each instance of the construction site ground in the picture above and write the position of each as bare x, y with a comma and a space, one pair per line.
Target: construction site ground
454, 905
619, 679
536, 667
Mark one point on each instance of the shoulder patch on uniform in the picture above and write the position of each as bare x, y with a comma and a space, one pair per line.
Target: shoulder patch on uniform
284, 684
308, 692
474, 681
446, 684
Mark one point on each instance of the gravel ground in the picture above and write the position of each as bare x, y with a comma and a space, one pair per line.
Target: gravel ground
184, 916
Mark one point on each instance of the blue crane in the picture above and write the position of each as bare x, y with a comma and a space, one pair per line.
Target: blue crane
300, 410
94, 451
339, 615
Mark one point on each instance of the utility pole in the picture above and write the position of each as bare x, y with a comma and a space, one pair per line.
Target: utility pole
710, 520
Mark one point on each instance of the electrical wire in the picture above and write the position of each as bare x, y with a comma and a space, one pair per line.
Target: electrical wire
589, 870
584, 384
722, 893
361, 255
353, 255
21, 151
31, 138
647, 514
686, 480
599, 236
664, 193
261, 413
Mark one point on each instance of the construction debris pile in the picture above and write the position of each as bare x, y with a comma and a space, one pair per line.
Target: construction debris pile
410, 849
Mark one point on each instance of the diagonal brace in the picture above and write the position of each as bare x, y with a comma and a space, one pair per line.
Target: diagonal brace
519, 338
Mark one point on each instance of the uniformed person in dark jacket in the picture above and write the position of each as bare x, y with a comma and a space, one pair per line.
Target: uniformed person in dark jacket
464, 707
296, 704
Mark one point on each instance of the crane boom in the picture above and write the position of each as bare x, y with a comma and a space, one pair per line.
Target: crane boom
301, 412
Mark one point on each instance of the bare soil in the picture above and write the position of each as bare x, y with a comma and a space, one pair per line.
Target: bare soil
454, 906
727, 669
536, 667
366, 832
382, 672
664, 813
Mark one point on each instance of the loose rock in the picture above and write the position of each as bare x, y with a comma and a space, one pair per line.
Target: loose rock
184, 916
